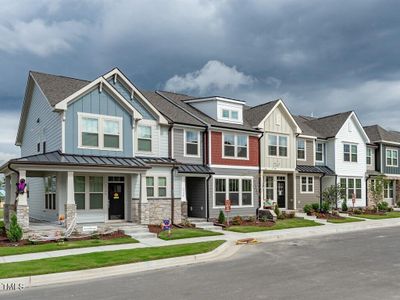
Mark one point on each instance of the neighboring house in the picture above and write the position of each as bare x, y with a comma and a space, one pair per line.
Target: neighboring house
341, 145
311, 164
383, 158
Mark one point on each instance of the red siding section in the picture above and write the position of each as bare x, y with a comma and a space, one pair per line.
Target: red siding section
216, 152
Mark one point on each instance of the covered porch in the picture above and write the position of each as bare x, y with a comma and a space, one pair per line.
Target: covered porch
65, 190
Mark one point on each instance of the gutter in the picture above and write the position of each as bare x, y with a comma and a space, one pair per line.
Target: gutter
259, 172
320, 190
208, 197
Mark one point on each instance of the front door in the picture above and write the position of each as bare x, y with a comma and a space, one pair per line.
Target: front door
196, 197
281, 193
116, 201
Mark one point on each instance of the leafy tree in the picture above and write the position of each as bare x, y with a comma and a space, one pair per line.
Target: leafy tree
331, 195
14, 234
376, 188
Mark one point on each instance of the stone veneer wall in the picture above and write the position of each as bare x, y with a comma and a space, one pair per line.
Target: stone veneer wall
23, 216
160, 209
397, 192
184, 209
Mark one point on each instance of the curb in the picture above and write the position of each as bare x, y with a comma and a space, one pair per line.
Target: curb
226, 250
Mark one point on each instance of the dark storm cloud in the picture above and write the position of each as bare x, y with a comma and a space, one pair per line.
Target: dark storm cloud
321, 57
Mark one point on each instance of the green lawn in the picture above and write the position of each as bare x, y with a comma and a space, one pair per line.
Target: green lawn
345, 220
388, 215
102, 259
280, 224
5, 251
185, 233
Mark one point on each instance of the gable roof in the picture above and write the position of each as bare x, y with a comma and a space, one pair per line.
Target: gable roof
55, 87
305, 127
377, 133
256, 114
329, 126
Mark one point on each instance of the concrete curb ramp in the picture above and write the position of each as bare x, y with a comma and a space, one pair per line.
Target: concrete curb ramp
224, 251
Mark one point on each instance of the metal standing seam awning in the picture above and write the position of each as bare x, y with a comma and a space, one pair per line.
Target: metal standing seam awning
315, 169
194, 169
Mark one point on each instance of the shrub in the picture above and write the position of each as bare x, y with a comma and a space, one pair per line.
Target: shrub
325, 206
251, 219
308, 209
390, 208
221, 217
315, 206
237, 220
382, 206
14, 234
357, 211
289, 214
344, 205
277, 210
281, 216
264, 218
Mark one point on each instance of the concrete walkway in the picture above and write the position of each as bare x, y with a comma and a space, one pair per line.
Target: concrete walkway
262, 236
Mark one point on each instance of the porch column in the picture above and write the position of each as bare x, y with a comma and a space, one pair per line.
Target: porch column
70, 206
184, 206
294, 190
22, 208
9, 196
144, 203
261, 187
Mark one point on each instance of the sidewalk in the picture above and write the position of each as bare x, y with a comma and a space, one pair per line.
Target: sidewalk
262, 236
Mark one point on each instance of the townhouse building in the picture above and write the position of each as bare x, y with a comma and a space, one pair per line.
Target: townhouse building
383, 159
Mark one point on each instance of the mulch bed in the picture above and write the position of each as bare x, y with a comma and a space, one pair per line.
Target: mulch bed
328, 216
368, 212
157, 228
249, 223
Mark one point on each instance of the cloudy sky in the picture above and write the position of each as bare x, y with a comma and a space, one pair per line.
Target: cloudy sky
320, 57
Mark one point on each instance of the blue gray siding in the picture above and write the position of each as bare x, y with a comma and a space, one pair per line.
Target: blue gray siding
42, 125
386, 169
179, 148
97, 103
135, 102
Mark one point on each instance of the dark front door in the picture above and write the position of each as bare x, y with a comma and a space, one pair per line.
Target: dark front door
196, 197
281, 194
116, 201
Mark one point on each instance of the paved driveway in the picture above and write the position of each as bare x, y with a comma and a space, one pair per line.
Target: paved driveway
361, 265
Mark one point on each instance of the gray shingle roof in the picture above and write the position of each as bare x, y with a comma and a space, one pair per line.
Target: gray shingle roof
378, 133
56, 88
305, 128
254, 115
315, 169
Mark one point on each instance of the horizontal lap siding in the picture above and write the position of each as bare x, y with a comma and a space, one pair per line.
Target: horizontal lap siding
48, 128
307, 198
309, 161
102, 104
179, 148
245, 211
36, 201
217, 154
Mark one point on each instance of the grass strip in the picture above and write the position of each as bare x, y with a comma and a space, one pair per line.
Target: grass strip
388, 215
280, 224
102, 259
185, 233
345, 220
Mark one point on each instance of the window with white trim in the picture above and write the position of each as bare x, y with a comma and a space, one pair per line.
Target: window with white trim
79, 187
391, 158
144, 138
269, 188
350, 186
350, 152
307, 184
301, 149
319, 152
89, 193
388, 191
156, 186
230, 114
192, 143
95, 192
277, 145
50, 185
100, 132
238, 190
369, 156
235, 145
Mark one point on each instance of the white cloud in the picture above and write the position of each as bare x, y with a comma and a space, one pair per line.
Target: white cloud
40, 37
213, 76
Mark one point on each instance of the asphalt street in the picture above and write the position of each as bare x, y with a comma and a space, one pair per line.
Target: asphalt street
361, 265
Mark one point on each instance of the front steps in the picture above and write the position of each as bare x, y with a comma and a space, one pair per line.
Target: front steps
138, 232
203, 224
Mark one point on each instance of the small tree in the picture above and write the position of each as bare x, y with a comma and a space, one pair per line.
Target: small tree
221, 217
14, 234
377, 187
331, 195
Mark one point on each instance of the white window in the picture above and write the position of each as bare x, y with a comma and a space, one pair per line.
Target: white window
144, 138
235, 146
192, 143
388, 190
307, 184
391, 158
301, 149
161, 186
238, 190
50, 192
319, 152
350, 186
350, 152
269, 188
89, 194
230, 114
277, 145
100, 132
369, 156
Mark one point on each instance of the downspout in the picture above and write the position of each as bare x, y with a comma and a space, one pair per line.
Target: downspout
259, 173
207, 198
320, 190
172, 194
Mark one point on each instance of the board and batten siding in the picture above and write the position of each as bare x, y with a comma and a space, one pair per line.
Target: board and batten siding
390, 169
278, 123
101, 103
132, 100
179, 147
309, 145
42, 125
236, 211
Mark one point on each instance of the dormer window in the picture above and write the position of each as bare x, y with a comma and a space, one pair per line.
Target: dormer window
225, 114
230, 114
